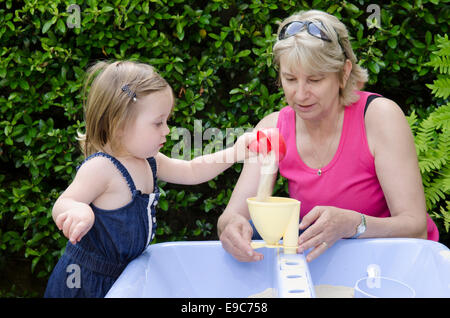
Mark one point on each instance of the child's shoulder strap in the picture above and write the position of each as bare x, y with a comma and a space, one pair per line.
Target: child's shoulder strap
118, 165
152, 163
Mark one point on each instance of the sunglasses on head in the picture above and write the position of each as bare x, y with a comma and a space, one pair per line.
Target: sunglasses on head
314, 28
294, 27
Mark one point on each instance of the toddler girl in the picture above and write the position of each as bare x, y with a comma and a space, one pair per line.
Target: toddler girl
108, 211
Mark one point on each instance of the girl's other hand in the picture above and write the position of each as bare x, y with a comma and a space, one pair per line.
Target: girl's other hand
75, 222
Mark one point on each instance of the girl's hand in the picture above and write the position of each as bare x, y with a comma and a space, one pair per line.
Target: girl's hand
75, 222
324, 226
241, 146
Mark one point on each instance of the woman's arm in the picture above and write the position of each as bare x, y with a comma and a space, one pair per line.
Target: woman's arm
203, 168
391, 142
234, 230
233, 226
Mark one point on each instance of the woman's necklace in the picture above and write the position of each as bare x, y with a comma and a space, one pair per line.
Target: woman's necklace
321, 164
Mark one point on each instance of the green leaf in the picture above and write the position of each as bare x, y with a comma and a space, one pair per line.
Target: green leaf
428, 37
214, 36
179, 28
406, 5
392, 43
107, 9
48, 24
34, 263
418, 44
163, 204
374, 67
180, 195
58, 168
11, 25
429, 18
352, 8
27, 140
30, 251
61, 26
24, 84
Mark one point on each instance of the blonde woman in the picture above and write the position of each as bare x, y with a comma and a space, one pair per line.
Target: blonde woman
350, 157
108, 211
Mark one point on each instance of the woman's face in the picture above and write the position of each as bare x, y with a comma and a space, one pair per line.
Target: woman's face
312, 96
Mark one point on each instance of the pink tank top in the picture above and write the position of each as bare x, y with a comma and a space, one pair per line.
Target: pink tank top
349, 181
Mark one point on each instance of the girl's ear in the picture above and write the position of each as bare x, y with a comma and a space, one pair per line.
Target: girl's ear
116, 140
120, 132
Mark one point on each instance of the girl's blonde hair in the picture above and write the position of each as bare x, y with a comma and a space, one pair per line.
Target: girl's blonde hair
109, 104
315, 55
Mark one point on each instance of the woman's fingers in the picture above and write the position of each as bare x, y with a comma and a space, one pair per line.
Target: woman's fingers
319, 244
311, 217
236, 240
318, 249
319, 235
311, 232
316, 224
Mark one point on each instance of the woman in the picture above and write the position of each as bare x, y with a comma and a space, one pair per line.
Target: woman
350, 157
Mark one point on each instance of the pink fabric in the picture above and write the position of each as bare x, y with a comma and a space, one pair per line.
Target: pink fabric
349, 181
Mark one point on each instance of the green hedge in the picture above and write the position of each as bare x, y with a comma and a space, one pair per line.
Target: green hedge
217, 57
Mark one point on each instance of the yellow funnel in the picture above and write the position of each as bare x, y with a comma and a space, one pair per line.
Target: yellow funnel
274, 219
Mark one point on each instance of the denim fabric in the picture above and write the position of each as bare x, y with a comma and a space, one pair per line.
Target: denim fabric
90, 268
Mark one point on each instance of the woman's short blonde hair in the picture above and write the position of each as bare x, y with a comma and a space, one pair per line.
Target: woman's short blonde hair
109, 106
314, 55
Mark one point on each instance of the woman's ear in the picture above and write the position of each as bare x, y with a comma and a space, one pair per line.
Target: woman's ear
347, 69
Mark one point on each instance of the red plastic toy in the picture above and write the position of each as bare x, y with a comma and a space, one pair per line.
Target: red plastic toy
267, 140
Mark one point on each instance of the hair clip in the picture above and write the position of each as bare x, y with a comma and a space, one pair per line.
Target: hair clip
129, 92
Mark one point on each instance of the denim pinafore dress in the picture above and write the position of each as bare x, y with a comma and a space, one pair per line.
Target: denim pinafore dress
90, 268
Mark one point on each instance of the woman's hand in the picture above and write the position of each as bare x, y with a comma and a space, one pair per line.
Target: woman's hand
236, 238
234, 229
324, 226
75, 222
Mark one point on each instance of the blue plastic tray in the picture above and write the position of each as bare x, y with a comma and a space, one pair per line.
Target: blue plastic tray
205, 269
